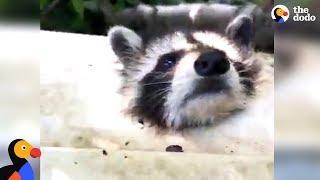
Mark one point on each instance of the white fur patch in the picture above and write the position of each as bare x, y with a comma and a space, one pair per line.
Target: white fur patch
179, 42
159, 47
194, 12
205, 107
182, 84
218, 42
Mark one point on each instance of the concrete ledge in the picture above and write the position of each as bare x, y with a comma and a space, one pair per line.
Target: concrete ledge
70, 163
80, 106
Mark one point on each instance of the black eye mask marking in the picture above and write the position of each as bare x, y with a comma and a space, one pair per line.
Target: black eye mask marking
154, 89
248, 75
168, 61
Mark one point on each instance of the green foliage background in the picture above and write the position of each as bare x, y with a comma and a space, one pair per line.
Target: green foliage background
19, 10
86, 16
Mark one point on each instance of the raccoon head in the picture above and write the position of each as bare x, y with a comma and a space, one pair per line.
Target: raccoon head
187, 78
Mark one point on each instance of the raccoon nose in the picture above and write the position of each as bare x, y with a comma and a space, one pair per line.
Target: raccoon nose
212, 63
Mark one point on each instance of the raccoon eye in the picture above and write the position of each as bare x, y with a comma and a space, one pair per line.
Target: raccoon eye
168, 60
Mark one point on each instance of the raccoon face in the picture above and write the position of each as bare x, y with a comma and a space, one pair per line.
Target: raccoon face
187, 78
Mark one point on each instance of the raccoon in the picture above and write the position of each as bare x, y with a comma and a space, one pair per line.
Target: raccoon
188, 78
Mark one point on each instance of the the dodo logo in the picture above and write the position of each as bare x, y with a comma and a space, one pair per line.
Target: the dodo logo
19, 150
280, 14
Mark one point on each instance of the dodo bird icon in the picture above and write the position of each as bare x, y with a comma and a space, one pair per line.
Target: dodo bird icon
280, 15
19, 150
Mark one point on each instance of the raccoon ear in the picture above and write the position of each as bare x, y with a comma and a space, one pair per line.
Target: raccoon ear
124, 42
240, 30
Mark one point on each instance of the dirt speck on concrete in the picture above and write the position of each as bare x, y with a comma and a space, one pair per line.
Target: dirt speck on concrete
174, 148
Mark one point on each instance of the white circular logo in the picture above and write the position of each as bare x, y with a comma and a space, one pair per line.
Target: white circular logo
280, 14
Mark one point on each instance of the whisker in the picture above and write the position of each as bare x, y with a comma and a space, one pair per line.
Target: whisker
156, 92
157, 95
246, 78
160, 99
160, 75
164, 82
244, 70
249, 79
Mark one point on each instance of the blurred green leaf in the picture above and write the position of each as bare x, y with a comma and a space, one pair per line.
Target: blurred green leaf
120, 5
91, 5
78, 7
133, 2
86, 16
43, 3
